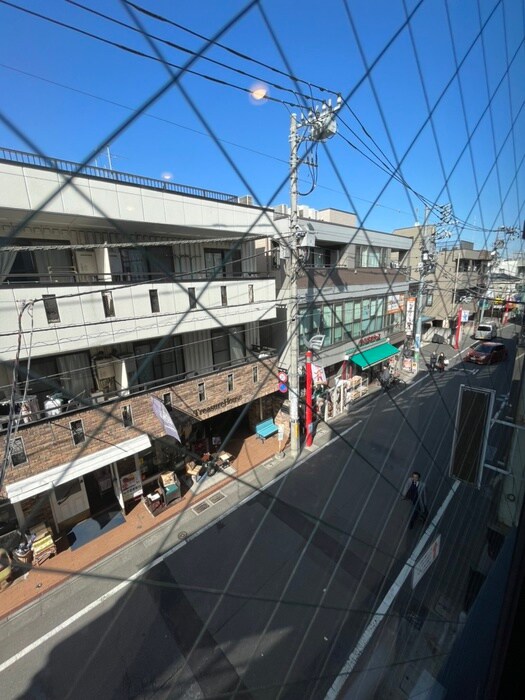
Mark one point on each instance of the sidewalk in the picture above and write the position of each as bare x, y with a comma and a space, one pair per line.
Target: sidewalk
38, 581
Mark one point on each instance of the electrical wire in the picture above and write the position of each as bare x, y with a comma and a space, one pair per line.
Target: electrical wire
184, 49
142, 54
229, 49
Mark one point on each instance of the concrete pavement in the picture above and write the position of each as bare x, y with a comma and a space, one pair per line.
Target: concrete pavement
257, 464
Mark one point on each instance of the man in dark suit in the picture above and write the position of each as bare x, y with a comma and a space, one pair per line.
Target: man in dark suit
415, 492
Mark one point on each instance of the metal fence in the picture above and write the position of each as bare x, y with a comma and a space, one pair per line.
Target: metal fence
9, 155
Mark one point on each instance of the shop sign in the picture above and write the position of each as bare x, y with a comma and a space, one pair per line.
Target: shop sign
214, 408
394, 303
410, 313
131, 486
369, 339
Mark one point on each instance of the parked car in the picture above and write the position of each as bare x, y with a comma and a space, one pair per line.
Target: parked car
486, 331
487, 353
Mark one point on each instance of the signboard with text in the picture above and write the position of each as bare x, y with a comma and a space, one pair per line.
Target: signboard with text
394, 303
410, 313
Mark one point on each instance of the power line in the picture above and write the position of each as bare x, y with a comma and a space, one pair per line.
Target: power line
229, 49
184, 49
142, 54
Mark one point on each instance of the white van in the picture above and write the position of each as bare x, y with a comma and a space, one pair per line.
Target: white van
486, 331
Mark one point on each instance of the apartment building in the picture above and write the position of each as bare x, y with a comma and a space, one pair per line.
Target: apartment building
460, 278
115, 289
351, 292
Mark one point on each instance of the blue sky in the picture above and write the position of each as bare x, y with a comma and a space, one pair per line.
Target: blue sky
66, 93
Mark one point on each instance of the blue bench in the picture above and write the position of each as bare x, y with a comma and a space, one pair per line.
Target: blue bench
265, 429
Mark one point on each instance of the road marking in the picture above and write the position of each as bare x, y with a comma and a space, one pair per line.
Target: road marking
88, 608
119, 587
387, 601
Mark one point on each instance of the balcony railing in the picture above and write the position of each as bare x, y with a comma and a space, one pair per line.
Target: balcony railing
29, 413
9, 155
71, 276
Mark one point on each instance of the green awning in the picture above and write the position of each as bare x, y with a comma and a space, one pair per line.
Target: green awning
367, 358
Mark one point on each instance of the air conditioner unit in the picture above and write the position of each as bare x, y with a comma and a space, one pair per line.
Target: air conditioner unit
105, 369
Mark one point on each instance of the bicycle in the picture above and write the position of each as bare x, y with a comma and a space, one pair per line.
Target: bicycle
395, 380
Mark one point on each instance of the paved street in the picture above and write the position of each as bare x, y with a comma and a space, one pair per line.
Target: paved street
269, 601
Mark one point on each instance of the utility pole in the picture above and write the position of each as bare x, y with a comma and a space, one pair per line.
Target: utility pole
321, 126
292, 310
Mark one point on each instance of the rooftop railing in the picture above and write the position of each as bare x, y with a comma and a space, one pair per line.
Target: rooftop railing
9, 155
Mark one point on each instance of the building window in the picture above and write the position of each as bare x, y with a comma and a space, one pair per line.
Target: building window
107, 301
250, 294
51, 308
127, 416
77, 431
166, 399
255, 374
320, 257
18, 453
430, 299
222, 263
224, 296
338, 323
276, 255
202, 391
227, 345
154, 301
229, 382
214, 263
192, 297
371, 256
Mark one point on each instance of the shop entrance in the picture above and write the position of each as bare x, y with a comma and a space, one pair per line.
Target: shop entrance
209, 435
100, 491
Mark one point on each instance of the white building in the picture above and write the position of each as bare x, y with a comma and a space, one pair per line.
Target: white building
114, 289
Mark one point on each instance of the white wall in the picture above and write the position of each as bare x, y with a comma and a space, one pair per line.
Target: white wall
28, 188
83, 324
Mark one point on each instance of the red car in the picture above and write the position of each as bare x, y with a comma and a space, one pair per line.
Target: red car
487, 353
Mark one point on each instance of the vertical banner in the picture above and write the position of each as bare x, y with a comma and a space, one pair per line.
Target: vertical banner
160, 410
409, 316
308, 399
318, 374
506, 312
457, 338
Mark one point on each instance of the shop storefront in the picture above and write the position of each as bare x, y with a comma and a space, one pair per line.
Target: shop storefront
368, 362
76, 490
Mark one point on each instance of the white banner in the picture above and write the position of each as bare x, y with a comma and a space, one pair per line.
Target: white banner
410, 313
160, 410
318, 375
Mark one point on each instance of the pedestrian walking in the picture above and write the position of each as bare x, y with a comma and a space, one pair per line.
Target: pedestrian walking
384, 378
441, 362
415, 492
433, 361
